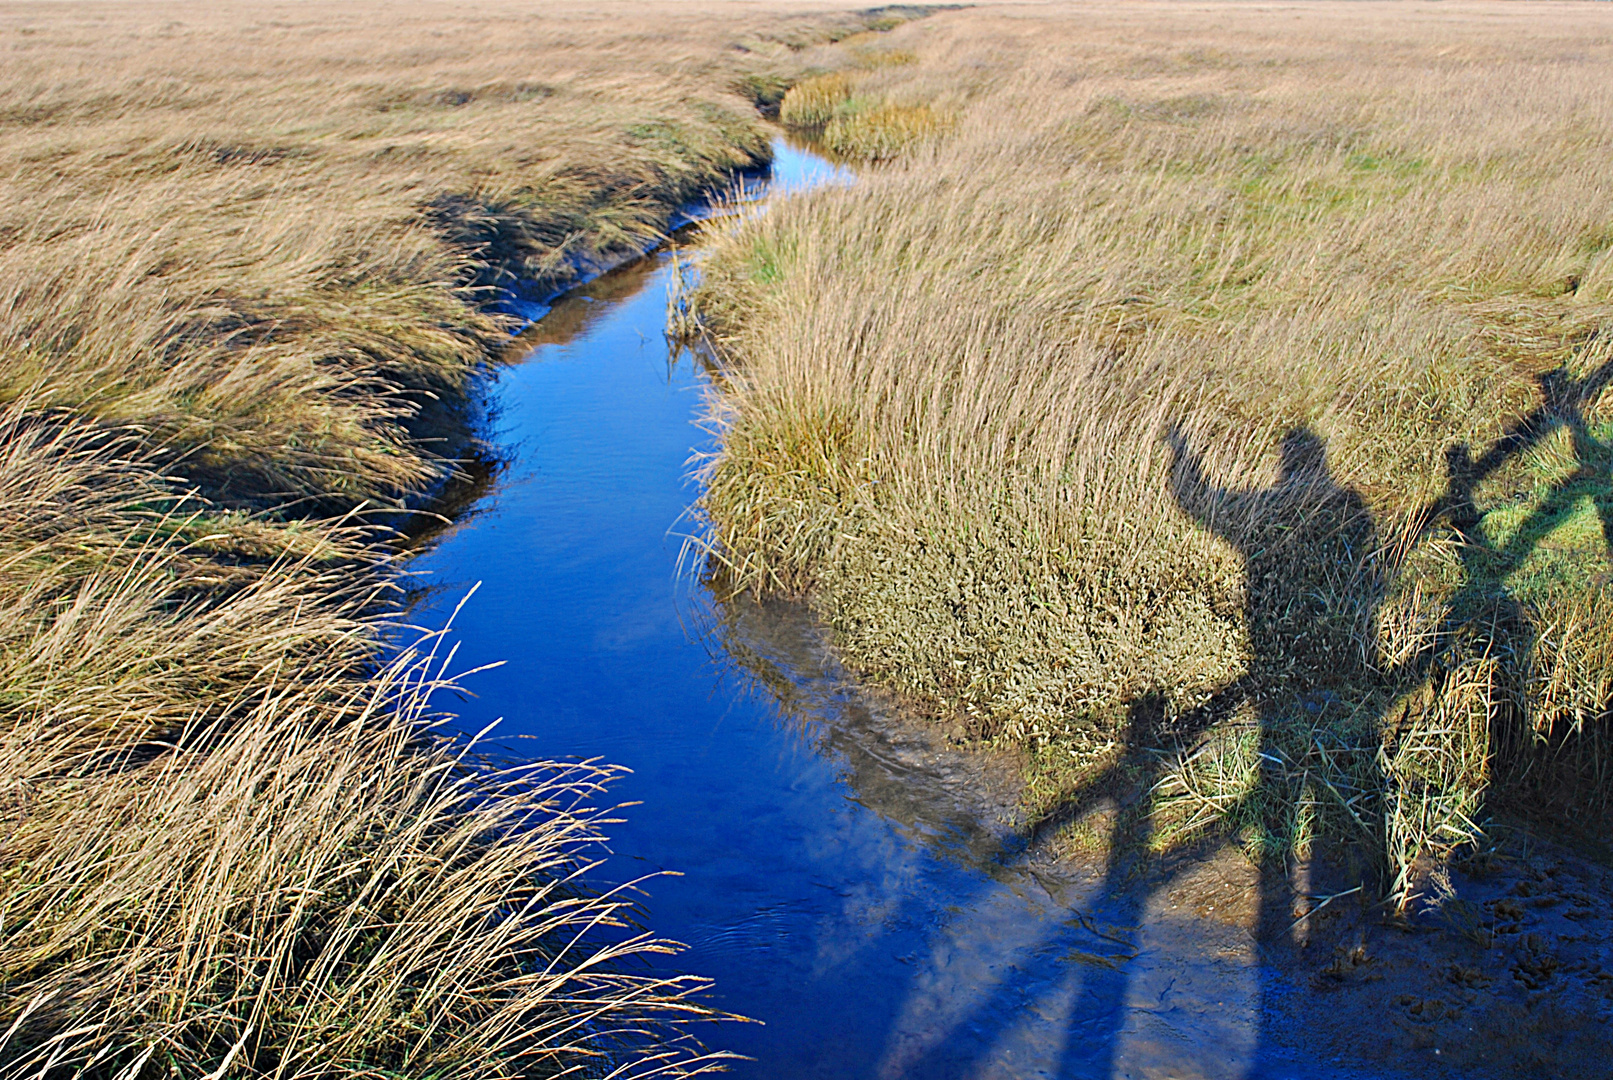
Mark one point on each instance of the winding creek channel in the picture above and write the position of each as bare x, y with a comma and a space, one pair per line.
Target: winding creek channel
842, 879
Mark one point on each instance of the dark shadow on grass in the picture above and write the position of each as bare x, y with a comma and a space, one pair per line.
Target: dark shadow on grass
1484, 616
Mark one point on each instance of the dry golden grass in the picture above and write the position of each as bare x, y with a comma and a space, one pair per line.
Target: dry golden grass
258, 233
855, 113
238, 250
231, 832
1243, 365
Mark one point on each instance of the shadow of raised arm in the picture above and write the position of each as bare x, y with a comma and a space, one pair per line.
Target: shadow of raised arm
1197, 497
1563, 402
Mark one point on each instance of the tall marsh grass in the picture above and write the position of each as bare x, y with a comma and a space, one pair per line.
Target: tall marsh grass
269, 240
235, 832
1255, 370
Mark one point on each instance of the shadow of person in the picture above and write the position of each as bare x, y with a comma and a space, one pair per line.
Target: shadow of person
1313, 586
1485, 617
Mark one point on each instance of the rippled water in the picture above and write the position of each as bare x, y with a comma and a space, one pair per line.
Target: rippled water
841, 882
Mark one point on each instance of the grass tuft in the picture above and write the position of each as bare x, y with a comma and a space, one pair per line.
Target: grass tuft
813, 102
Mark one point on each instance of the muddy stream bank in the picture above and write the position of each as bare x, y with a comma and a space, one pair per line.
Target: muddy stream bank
852, 879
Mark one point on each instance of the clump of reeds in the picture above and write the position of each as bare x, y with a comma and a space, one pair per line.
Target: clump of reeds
682, 326
236, 837
812, 103
1271, 389
883, 131
849, 117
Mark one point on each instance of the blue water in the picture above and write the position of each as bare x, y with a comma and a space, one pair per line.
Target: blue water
840, 883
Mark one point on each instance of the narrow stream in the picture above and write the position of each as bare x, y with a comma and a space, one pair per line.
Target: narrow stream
839, 882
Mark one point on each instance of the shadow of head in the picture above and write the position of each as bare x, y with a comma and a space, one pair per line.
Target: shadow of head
1146, 718
1303, 458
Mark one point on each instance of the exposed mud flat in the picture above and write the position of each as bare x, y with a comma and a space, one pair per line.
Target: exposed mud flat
1506, 970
